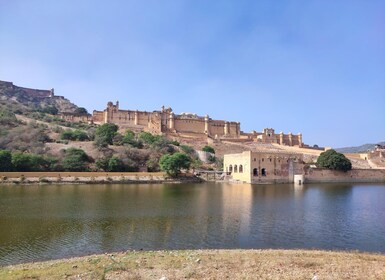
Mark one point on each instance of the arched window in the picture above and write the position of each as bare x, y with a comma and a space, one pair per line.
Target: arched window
230, 168
235, 168
255, 172
240, 168
264, 173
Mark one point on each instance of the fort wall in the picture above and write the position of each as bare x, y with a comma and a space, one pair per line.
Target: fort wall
166, 122
189, 125
353, 176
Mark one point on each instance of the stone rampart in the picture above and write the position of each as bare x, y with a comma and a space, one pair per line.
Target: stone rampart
353, 176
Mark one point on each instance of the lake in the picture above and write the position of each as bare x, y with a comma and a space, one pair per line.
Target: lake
57, 221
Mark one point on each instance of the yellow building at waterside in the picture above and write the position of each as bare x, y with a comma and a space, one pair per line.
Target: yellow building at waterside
263, 167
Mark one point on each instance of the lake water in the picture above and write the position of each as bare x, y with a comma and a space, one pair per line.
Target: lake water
57, 221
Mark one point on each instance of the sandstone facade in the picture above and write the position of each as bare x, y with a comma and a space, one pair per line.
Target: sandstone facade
263, 167
165, 121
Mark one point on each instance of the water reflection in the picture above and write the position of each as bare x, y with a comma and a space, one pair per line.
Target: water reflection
45, 222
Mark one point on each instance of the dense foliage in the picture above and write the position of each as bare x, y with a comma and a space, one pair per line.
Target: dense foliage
5, 161
75, 160
105, 134
75, 135
25, 162
334, 160
173, 164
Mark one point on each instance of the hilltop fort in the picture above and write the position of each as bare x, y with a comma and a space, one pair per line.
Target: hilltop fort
165, 121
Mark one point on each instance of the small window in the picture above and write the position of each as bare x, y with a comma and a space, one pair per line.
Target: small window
230, 168
240, 168
235, 168
270, 160
263, 160
255, 159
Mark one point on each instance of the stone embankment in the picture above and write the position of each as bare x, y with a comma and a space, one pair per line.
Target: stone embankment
91, 177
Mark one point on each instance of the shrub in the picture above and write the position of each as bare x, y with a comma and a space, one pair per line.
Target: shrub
208, 149
75, 160
74, 135
147, 137
187, 149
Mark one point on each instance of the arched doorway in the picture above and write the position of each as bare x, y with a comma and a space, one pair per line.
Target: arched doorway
255, 172
263, 171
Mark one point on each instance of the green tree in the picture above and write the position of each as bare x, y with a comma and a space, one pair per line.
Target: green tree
104, 134
147, 137
81, 111
75, 160
80, 135
5, 161
66, 135
115, 164
102, 164
129, 134
76, 135
173, 164
208, 149
21, 162
29, 162
333, 160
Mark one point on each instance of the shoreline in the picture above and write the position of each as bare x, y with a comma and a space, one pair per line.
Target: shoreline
12, 178
207, 264
40, 178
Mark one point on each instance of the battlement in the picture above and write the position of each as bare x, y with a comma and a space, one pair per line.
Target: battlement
165, 121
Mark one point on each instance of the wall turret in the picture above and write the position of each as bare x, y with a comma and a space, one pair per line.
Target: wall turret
207, 128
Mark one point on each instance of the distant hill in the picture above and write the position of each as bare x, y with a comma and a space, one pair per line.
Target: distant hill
19, 99
359, 149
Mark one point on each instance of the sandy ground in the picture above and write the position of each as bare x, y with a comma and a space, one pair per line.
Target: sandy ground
207, 264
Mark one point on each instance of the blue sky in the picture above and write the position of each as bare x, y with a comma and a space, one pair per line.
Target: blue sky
316, 67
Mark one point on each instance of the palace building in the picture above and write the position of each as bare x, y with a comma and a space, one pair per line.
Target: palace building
263, 167
165, 121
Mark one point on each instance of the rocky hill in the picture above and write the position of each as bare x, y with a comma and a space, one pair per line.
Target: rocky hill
359, 149
19, 99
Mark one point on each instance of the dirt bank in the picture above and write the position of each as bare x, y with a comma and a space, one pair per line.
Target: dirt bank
207, 264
